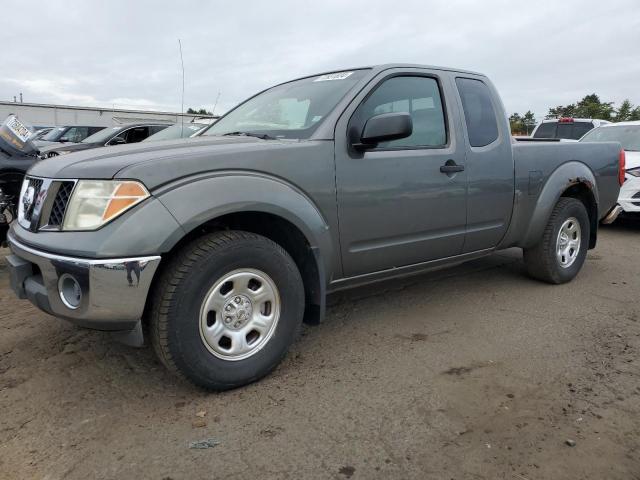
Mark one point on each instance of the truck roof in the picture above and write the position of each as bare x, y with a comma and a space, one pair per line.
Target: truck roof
387, 66
632, 122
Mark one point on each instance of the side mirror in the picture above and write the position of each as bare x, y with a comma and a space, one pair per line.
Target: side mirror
383, 128
117, 141
63, 140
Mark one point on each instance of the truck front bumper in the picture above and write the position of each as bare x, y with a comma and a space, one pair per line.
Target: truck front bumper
103, 294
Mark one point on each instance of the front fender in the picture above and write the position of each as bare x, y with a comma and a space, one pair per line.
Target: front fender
197, 200
565, 176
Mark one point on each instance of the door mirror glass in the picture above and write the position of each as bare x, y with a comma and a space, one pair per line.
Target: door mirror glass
385, 127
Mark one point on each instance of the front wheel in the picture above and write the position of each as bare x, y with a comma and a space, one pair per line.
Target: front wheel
226, 309
561, 252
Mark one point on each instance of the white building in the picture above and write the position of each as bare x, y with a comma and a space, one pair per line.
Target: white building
43, 115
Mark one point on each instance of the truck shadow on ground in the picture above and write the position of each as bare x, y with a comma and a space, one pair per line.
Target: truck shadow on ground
55, 344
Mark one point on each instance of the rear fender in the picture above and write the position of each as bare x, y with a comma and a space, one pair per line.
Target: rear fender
562, 179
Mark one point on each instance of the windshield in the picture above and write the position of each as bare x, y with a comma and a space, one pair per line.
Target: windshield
102, 135
55, 134
627, 135
176, 131
291, 110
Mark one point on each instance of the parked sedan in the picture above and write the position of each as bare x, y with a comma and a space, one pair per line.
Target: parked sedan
108, 137
179, 130
628, 134
68, 134
40, 132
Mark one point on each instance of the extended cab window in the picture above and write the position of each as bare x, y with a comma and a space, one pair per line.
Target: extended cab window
418, 96
482, 126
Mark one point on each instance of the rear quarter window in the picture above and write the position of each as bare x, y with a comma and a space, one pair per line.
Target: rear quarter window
479, 115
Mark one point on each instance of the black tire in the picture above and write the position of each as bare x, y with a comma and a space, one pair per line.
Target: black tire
183, 286
541, 261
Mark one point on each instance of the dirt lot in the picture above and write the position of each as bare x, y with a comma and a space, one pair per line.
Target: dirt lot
472, 373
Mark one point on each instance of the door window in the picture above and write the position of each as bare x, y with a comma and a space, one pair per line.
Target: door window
76, 134
482, 126
137, 134
418, 96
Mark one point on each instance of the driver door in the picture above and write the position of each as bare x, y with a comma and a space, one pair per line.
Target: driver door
395, 206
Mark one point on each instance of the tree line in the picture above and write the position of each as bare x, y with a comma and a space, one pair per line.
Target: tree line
589, 107
201, 111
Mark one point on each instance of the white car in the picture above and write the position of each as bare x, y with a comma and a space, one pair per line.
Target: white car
628, 134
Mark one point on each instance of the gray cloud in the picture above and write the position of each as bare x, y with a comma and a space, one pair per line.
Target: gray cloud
125, 53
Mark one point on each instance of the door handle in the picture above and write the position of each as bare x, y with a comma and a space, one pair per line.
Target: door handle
451, 167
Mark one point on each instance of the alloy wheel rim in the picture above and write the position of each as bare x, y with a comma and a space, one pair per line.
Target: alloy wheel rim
568, 242
239, 314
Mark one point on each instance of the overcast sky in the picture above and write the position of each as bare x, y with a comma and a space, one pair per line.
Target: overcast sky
125, 53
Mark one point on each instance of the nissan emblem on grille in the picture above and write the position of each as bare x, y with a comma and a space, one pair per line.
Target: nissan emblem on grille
27, 200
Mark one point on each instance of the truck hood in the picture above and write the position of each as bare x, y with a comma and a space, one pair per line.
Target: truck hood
67, 147
157, 163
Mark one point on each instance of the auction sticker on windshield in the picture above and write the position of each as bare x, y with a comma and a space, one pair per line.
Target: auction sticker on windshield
333, 76
18, 128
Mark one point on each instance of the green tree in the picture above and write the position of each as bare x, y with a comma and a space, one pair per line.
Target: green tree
624, 112
202, 111
515, 122
592, 107
635, 115
529, 121
562, 111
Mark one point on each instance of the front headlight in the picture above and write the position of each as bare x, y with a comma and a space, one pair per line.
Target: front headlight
96, 202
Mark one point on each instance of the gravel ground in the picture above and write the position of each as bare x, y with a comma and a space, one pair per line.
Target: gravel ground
475, 372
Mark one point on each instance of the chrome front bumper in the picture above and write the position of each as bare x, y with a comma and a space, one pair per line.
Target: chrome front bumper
111, 292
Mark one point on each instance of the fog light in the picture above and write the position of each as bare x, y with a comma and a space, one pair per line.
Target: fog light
70, 291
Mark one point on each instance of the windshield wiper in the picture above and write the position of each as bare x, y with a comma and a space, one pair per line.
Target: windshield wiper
263, 136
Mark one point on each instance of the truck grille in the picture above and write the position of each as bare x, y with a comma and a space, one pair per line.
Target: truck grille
60, 203
36, 184
43, 203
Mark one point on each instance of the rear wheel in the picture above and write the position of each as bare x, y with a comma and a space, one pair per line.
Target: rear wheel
226, 309
561, 252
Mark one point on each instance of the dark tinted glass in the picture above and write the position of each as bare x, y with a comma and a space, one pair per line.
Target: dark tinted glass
565, 130
546, 130
580, 128
479, 115
418, 96
137, 134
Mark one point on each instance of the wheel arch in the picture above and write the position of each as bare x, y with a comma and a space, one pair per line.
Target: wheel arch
572, 179
264, 206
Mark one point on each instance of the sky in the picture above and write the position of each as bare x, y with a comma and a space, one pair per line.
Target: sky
124, 53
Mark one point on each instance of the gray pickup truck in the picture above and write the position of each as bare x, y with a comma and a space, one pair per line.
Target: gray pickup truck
219, 247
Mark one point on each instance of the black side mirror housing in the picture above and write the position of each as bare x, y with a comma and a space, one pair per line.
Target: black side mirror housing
117, 141
383, 128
